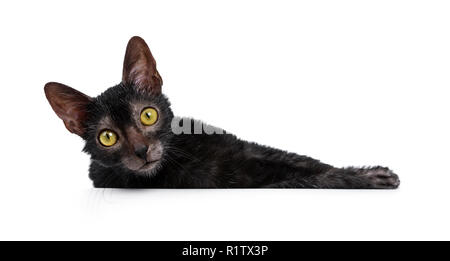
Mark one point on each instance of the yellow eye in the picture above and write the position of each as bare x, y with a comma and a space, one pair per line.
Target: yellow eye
107, 138
149, 116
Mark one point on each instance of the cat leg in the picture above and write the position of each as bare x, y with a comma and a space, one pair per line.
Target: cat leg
357, 178
343, 178
290, 170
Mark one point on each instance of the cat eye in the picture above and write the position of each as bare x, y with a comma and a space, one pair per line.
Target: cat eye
149, 116
107, 138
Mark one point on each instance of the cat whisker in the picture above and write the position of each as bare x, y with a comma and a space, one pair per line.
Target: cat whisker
181, 154
181, 151
174, 161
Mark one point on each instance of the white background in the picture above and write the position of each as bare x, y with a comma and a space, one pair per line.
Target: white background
347, 82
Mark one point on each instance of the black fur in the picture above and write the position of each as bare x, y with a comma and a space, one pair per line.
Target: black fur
211, 161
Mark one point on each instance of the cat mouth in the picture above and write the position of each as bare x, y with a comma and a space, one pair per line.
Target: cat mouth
149, 165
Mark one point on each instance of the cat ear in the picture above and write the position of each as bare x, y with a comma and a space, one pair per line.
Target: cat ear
139, 67
69, 104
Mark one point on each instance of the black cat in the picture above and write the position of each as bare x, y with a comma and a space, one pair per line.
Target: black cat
135, 142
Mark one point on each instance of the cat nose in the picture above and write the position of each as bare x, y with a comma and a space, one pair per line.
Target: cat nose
141, 151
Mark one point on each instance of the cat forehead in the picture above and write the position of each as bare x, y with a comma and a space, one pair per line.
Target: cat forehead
122, 116
124, 111
119, 95
123, 103
122, 97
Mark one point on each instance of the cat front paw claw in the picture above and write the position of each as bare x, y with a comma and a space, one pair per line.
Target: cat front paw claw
381, 178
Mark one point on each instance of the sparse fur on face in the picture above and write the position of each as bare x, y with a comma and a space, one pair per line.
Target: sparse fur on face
118, 109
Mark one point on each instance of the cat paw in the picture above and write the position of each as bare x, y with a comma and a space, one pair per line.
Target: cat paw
381, 178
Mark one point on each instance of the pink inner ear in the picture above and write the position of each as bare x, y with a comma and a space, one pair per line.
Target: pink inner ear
139, 67
69, 104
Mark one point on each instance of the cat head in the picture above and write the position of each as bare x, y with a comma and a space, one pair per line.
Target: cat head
126, 126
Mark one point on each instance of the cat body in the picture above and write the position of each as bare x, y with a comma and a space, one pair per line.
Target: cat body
136, 142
